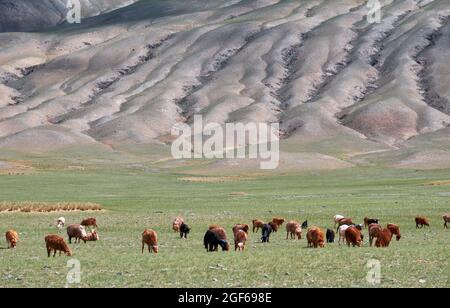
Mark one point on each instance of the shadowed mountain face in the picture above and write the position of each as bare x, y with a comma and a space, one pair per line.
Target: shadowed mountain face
28, 15
337, 84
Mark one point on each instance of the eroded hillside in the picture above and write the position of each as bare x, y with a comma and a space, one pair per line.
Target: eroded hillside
337, 84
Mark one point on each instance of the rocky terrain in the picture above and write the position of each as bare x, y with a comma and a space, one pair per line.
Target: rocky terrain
345, 91
28, 15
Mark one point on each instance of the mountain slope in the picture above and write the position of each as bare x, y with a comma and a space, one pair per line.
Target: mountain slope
317, 67
27, 15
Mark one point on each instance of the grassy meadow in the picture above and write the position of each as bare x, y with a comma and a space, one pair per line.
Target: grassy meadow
139, 198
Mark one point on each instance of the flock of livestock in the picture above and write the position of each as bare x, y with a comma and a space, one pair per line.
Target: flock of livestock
348, 232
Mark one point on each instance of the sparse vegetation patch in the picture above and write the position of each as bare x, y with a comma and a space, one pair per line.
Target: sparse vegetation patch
48, 207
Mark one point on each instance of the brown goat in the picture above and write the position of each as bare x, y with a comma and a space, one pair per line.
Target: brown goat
56, 243
257, 224
240, 239
446, 220
240, 227
150, 238
395, 230
293, 229
374, 231
315, 237
176, 224
89, 222
353, 237
12, 238
384, 238
422, 222
93, 237
219, 231
221, 234
344, 221
278, 221
274, 226
78, 232
369, 221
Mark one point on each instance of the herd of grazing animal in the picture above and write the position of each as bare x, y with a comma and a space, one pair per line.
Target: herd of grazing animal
55, 243
348, 232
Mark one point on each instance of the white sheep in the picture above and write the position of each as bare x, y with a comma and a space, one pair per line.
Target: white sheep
342, 230
60, 223
337, 218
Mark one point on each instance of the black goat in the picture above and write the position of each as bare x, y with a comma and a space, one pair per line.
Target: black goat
184, 230
305, 225
330, 236
212, 242
266, 231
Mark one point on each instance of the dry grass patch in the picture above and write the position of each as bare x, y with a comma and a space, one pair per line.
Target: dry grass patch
238, 194
15, 168
47, 207
438, 183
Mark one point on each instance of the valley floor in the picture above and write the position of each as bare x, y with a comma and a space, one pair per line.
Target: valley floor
136, 199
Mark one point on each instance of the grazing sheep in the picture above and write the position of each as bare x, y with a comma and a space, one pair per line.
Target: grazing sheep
150, 238
60, 223
345, 221
242, 227
305, 225
78, 232
395, 230
315, 238
56, 243
384, 238
176, 224
12, 238
257, 224
360, 227
278, 221
90, 222
446, 220
240, 239
342, 229
93, 237
212, 242
293, 229
331, 235
369, 221
353, 237
274, 226
422, 222
374, 232
266, 231
184, 230
337, 218
222, 234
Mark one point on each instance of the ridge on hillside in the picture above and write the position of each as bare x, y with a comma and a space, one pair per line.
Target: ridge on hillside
337, 84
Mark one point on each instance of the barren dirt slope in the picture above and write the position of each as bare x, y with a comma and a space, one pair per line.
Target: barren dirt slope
26, 15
